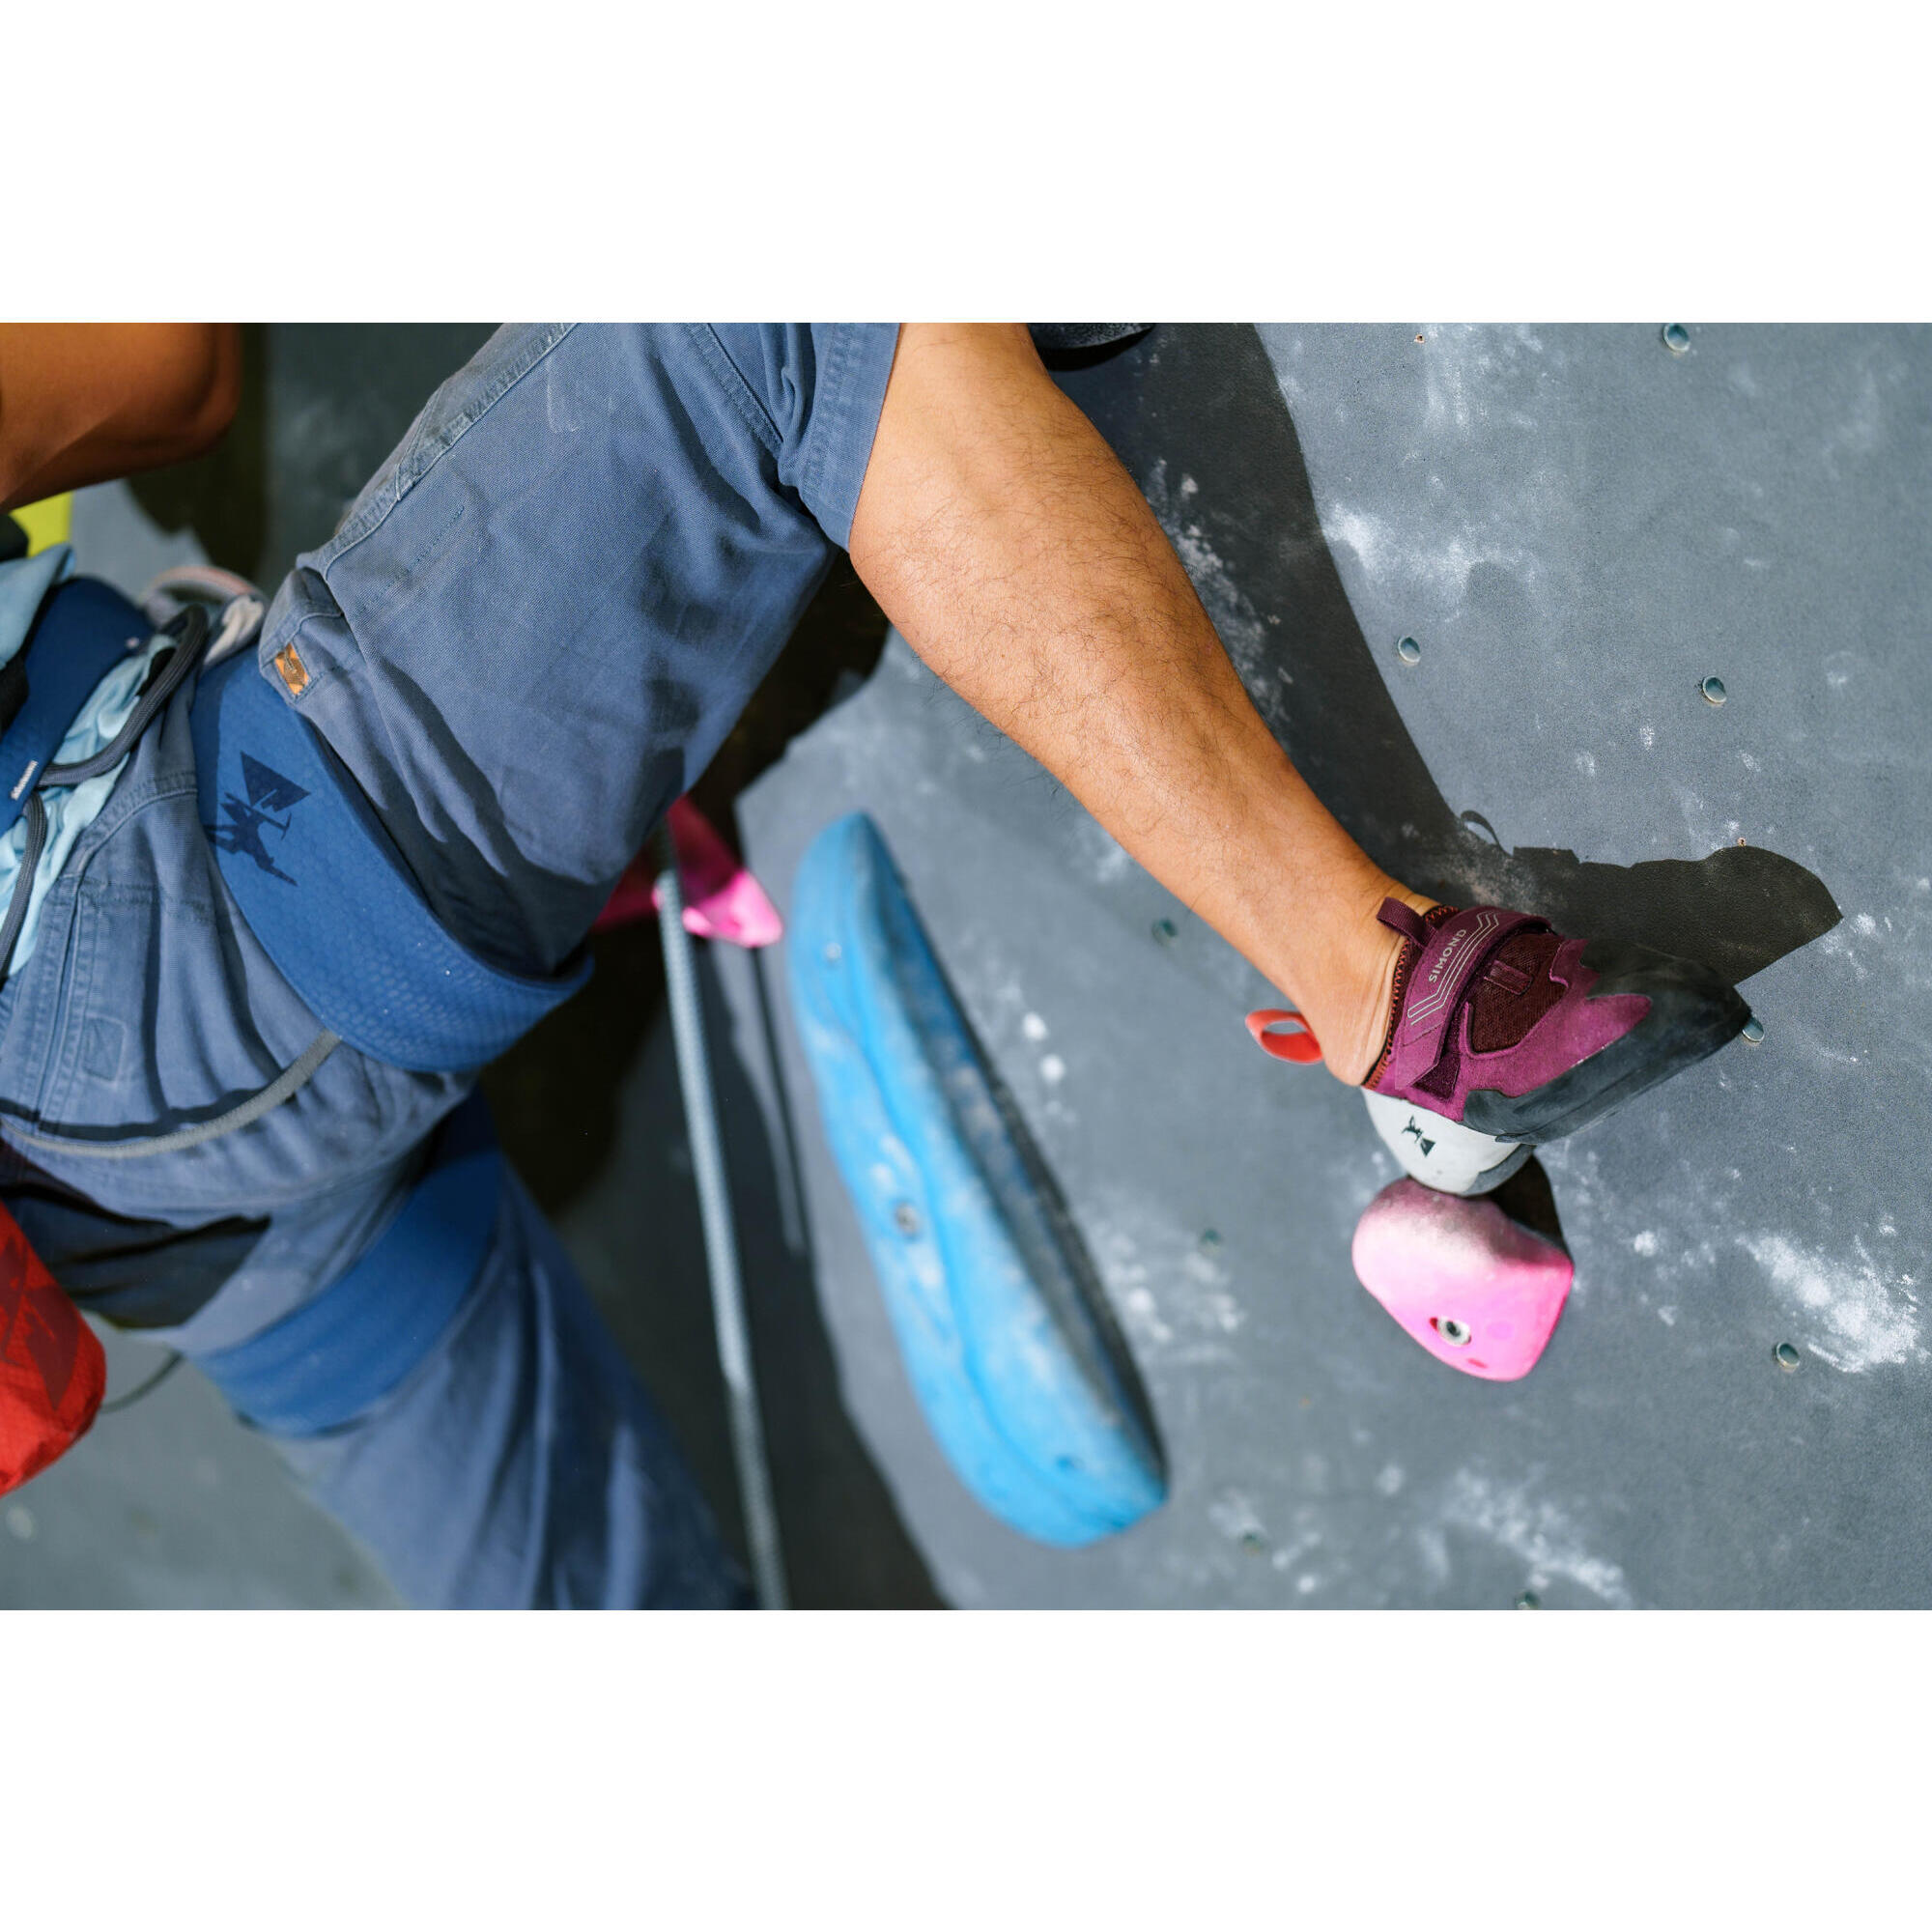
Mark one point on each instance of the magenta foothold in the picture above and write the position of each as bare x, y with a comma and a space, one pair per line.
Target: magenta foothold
1477, 1289
721, 899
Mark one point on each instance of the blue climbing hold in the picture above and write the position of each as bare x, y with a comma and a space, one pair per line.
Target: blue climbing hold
1008, 1347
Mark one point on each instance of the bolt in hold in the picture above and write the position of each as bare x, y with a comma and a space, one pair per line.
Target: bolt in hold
1408, 651
1754, 1031
1166, 931
1676, 337
1713, 689
1530, 1601
1786, 1356
906, 1218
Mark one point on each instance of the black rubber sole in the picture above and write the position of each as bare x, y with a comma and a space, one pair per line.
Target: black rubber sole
1692, 1013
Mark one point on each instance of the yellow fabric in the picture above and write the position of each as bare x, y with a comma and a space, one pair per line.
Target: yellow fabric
47, 522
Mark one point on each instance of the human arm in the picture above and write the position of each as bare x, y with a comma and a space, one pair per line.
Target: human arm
81, 403
1003, 538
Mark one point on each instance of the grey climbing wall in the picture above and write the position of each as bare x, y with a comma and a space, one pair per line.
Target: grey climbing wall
1576, 526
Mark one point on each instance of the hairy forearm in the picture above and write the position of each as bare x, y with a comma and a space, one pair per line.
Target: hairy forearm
81, 403
1005, 540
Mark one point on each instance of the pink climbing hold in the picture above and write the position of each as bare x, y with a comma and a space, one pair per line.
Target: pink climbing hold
1477, 1289
721, 899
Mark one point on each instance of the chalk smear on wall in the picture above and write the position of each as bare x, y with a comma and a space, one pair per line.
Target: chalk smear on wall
1535, 1530
1860, 1320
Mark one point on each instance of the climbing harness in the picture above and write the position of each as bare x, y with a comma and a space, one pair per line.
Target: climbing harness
294, 840
305, 861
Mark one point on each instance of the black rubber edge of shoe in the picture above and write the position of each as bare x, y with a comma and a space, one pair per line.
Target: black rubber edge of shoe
1692, 1013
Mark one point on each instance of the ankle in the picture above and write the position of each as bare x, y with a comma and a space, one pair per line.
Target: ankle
1358, 1050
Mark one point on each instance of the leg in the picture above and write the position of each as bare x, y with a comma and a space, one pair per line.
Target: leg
1013, 551
517, 1462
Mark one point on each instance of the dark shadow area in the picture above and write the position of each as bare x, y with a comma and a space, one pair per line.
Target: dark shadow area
1089, 1327
223, 496
323, 405
1203, 403
564, 1078
1525, 1197
1083, 345
133, 1272
836, 643
845, 1545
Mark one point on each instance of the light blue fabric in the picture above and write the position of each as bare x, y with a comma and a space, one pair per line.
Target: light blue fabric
71, 808
23, 587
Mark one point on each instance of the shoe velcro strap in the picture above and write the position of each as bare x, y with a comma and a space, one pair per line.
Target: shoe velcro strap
1405, 920
1457, 951
1511, 978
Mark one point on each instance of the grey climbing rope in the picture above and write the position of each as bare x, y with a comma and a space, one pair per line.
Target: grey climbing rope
721, 1243
290, 1081
23, 882
189, 637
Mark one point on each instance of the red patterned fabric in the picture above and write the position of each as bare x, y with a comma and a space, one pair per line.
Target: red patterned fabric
52, 1373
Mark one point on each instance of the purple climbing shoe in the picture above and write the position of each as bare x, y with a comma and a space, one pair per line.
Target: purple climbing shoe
1500, 1022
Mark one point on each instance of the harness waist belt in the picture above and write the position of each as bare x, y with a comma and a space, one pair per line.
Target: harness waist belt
322, 888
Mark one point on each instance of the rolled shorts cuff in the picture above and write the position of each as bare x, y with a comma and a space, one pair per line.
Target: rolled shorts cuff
850, 392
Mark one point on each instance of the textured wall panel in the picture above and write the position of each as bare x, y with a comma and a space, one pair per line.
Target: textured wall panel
1576, 525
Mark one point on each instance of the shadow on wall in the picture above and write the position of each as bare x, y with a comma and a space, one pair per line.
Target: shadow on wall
1204, 402
589, 1109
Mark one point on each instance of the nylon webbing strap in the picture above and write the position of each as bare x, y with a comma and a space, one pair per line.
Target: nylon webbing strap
323, 890
338, 1354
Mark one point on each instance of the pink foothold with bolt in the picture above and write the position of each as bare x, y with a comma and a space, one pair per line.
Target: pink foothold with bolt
1477, 1289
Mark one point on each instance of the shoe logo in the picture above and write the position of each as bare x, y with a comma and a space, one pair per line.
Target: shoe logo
1414, 1127
249, 820
1441, 979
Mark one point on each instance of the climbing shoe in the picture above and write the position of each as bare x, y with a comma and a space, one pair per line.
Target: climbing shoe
1500, 1023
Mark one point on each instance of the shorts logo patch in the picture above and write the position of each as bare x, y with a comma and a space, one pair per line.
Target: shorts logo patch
294, 672
248, 821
